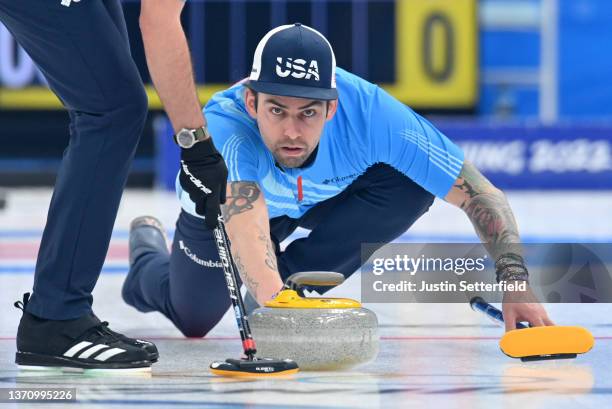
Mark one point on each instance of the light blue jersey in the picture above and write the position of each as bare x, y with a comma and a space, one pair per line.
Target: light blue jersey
369, 127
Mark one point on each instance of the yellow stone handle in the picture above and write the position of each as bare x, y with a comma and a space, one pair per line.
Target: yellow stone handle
291, 299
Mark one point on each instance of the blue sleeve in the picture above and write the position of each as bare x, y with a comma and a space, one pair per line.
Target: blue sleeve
411, 144
235, 142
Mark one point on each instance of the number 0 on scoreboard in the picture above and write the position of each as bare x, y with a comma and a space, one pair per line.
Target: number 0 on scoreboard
436, 53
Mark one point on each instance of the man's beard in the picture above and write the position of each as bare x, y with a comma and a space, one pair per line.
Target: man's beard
291, 162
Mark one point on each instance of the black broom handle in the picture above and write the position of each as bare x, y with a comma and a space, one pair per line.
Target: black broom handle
231, 278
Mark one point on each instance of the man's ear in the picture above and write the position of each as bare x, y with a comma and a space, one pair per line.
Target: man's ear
332, 107
250, 101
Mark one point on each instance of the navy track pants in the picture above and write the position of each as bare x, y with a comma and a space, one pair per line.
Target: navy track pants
83, 52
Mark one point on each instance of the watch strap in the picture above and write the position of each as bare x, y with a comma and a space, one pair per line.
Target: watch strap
200, 150
201, 134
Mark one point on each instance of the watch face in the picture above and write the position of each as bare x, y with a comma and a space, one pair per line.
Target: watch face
185, 139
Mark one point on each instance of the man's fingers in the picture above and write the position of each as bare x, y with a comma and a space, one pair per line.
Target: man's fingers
548, 322
211, 221
212, 210
200, 207
510, 321
537, 322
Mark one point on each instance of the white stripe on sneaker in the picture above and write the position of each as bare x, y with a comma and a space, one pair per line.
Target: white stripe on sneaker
81, 345
92, 350
109, 354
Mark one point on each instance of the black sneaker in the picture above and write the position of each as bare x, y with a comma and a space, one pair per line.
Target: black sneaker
147, 235
3, 199
84, 343
149, 347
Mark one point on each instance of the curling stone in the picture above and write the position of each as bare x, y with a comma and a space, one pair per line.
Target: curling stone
317, 333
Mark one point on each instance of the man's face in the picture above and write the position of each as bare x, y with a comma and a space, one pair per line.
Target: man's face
290, 127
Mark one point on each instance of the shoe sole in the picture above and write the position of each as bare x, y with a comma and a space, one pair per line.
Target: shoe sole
149, 221
49, 370
142, 222
37, 362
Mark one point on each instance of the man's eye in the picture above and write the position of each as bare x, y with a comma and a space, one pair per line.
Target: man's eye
276, 111
309, 113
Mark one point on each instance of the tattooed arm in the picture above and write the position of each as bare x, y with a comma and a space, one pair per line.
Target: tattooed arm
488, 210
490, 213
248, 228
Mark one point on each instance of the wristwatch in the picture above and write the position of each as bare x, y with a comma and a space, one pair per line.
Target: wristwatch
186, 138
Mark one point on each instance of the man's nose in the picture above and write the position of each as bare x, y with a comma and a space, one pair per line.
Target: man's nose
292, 128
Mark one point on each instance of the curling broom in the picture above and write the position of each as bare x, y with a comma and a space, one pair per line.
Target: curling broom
251, 365
538, 343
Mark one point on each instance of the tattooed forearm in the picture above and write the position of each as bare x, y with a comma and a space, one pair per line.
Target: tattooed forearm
252, 284
494, 223
248, 230
241, 199
270, 253
489, 211
471, 183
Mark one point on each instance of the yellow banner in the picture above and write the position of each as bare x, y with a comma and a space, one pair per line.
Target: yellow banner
41, 98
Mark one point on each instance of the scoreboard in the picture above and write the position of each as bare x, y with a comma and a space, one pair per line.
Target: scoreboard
424, 52
437, 48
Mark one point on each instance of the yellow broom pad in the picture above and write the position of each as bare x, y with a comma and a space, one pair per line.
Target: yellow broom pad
543, 341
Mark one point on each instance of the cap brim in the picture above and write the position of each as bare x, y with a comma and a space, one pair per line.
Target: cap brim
296, 91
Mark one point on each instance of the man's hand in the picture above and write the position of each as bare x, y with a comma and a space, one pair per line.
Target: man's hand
523, 306
203, 176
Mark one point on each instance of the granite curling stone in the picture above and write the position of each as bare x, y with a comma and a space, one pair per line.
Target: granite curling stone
317, 333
